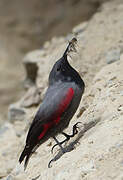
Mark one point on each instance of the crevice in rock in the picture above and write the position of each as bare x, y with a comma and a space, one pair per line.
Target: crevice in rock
31, 72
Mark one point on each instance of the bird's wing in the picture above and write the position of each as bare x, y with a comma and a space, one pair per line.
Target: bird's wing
50, 112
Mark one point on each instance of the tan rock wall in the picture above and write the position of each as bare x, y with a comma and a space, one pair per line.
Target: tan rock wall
98, 146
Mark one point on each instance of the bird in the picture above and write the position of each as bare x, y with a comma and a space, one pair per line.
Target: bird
61, 100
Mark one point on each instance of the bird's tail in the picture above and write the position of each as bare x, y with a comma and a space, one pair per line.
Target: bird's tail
26, 153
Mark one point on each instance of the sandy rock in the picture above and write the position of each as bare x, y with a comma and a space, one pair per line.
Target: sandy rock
30, 62
19, 35
31, 98
9, 177
16, 112
112, 56
8, 141
96, 152
93, 45
80, 28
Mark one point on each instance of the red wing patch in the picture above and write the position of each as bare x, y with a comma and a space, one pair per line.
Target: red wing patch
64, 104
62, 107
46, 127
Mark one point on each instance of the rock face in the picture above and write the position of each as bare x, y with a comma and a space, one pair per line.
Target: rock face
98, 146
25, 26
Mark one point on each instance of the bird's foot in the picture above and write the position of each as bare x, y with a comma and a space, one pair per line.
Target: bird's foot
49, 164
59, 144
75, 131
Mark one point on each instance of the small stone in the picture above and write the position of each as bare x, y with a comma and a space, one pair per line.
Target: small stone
113, 56
88, 167
19, 169
49, 144
101, 158
32, 98
121, 163
80, 28
15, 112
3, 129
120, 108
121, 93
69, 37
110, 83
81, 111
90, 141
46, 45
9, 146
9, 177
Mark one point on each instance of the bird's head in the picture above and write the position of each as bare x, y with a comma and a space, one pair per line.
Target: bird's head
62, 70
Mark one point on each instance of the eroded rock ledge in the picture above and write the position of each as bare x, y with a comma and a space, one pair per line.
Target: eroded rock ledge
98, 155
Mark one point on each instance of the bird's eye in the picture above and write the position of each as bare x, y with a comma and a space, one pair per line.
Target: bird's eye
58, 68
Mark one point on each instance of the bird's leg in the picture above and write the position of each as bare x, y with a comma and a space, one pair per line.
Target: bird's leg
62, 149
67, 138
75, 131
59, 144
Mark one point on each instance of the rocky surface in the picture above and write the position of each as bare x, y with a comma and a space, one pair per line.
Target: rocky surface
24, 26
97, 152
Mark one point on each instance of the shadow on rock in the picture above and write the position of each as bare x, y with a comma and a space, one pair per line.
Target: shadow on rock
71, 146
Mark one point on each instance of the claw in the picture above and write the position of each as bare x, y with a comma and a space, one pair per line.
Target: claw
75, 128
49, 164
53, 148
75, 131
75, 125
67, 138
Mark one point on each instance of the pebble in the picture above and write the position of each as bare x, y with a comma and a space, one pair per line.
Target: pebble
88, 167
112, 56
3, 129
15, 113
32, 98
80, 28
121, 93
9, 177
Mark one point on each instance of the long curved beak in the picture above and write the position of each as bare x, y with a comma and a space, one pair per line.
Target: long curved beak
71, 47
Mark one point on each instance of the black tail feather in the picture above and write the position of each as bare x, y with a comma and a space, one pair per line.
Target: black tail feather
22, 156
26, 153
26, 160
